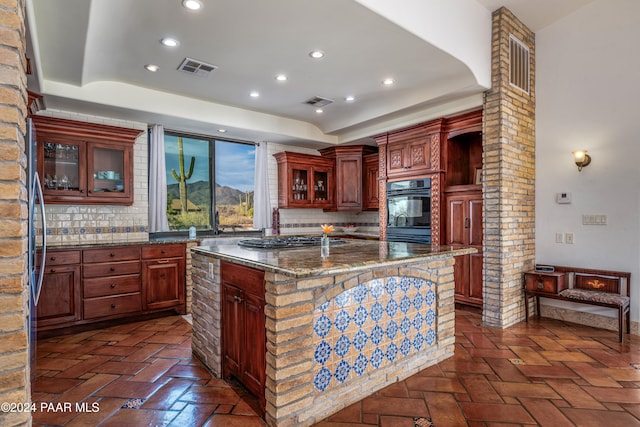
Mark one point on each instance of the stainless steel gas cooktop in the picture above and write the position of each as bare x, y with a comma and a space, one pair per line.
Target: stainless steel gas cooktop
285, 242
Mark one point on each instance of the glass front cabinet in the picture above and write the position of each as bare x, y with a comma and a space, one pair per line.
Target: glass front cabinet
304, 181
82, 162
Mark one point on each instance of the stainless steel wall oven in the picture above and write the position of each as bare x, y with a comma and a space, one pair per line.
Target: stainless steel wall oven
409, 211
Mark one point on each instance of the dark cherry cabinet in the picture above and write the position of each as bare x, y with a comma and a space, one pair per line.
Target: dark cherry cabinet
243, 327
102, 283
85, 163
163, 279
304, 181
464, 227
60, 298
371, 185
349, 173
409, 151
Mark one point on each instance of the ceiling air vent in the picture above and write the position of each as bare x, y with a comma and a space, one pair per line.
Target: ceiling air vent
195, 67
318, 101
519, 63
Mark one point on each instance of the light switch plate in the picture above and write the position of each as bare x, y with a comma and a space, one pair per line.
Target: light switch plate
568, 238
563, 198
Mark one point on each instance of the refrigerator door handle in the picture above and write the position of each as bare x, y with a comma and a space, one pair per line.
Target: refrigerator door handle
38, 188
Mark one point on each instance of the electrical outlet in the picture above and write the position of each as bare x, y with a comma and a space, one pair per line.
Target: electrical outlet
210, 270
568, 238
559, 238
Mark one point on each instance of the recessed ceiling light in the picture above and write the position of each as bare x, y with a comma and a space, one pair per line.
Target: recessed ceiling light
169, 42
350, 98
192, 4
222, 130
316, 54
319, 110
388, 82
151, 67
254, 94
281, 78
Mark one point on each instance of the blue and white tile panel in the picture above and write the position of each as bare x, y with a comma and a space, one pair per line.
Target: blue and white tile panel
371, 325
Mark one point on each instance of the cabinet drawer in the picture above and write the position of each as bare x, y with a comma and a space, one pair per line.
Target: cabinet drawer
163, 251
546, 282
59, 258
248, 279
111, 269
104, 286
109, 306
111, 254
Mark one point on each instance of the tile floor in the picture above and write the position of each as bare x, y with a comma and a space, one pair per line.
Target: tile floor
546, 372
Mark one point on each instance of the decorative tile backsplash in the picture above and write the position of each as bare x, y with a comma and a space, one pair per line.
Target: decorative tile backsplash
373, 324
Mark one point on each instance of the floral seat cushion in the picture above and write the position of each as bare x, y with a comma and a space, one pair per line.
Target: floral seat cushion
596, 296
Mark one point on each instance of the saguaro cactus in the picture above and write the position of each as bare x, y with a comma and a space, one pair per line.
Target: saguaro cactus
182, 178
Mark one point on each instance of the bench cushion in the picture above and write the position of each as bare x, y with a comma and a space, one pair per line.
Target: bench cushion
596, 297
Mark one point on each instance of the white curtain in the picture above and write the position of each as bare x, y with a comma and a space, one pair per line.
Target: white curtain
261, 205
157, 182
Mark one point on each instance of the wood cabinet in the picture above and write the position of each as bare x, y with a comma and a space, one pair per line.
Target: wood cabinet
464, 227
409, 151
349, 175
243, 327
304, 181
547, 282
163, 279
60, 298
371, 185
116, 282
85, 163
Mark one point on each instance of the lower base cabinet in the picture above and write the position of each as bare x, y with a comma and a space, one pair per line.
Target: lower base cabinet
116, 282
243, 327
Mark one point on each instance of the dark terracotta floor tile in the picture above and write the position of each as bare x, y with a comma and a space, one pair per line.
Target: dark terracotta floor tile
107, 407
496, 412
155, 370
165, 339
618, 395
168, 394
140, 417
217, 395
444, 410
222, 420
545, 413
551, 371
56, 363
447, 385
592, 375
479, 389
122, 368
574, 394
547, 343
54, 385
193, 415
86, 365
506, 370
188, 371
88, 388
387, 421
525, 390
594, 418
395, 406
129, 389
143, 353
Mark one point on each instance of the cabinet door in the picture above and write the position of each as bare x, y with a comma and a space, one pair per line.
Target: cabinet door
349, 182
60, 297
475, 234
322, 186
108, 171
370, 189
396, 158
163, 283
456, 220
254, 360
233, 325
63, 167
418, 154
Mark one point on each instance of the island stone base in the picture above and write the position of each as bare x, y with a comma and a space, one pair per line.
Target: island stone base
334, 339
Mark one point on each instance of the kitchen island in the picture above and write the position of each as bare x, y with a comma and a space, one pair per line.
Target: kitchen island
337, 328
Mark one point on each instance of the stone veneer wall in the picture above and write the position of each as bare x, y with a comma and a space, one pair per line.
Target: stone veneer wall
509, 178
292, 393
14, 301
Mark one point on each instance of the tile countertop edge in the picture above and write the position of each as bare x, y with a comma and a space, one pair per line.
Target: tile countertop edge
333, 268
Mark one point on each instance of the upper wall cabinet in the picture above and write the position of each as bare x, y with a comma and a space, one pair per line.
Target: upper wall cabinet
462, 152
304, 181
350, 179
85, 163
410, 152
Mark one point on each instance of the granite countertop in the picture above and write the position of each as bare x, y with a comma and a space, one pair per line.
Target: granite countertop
352, 255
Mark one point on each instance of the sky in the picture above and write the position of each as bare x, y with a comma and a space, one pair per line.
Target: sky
235, 163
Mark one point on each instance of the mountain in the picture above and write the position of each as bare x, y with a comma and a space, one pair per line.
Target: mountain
199, 193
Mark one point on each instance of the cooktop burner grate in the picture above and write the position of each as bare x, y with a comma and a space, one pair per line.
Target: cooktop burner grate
285, 242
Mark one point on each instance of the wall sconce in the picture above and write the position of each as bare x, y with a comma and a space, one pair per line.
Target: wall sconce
582, 158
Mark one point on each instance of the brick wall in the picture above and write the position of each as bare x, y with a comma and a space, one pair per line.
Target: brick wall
509, 184
14, 367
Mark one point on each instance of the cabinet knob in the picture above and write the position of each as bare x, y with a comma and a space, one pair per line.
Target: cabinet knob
53, 270
113, 306
81, 190
113, 285
52, 258
540, 283
163, 252
112, 254
112, 269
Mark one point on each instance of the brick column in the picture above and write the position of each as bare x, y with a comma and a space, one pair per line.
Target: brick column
14, 303
509, 171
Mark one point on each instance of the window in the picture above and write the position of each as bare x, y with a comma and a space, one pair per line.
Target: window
195, 165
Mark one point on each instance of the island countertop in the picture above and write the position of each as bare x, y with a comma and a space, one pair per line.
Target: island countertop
353, 254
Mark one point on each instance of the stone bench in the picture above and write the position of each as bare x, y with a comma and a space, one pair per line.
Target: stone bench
594, 287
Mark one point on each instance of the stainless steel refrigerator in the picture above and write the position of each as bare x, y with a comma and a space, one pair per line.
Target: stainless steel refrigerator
37, 219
